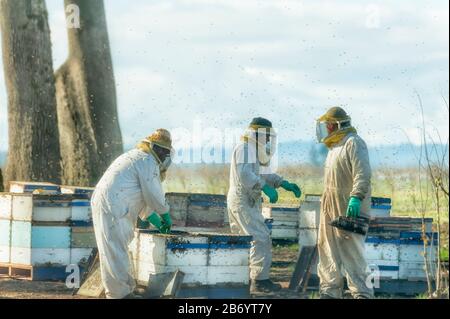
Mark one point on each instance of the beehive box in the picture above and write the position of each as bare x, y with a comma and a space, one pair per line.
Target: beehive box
77, 190
412, 252
380, 207
5, 206
41, 208
201, 211
392, 226
309, 218
178, 203
38, 245
81, 213
205, 259
285, 221
382, 254
34, 187
5, 240
81, 244
207, 210
402, 256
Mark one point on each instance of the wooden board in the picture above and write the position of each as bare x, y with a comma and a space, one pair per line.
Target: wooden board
164, 285
92, 286
302, 272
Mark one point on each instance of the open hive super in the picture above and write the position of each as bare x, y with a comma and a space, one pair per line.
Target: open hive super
205, 258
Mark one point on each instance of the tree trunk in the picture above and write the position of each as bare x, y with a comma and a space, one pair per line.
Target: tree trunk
86, 99
1, 181
33, 152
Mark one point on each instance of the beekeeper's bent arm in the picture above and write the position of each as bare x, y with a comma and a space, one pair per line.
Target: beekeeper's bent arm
249, 179
361, 171
273, 180
152, 191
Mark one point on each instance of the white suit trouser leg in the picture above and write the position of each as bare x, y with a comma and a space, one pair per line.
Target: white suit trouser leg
113, 238
339, 256
261, 248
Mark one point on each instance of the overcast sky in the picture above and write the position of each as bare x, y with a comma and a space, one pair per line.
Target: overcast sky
223, 62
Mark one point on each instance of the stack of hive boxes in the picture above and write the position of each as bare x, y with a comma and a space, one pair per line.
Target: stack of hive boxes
39, 230
214, 261
285, 221
397, 247
308, 221
309, 217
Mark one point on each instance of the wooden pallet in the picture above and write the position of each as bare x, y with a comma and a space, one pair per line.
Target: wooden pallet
32, 273
4, 270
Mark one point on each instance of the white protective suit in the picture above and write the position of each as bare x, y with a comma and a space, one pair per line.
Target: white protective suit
341, 253
130, 187
245, 206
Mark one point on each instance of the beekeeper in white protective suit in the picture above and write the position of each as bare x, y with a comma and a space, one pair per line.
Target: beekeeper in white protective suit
130, 187
347, 192
247, 180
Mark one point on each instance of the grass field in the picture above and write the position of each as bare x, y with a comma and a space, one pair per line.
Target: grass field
410, 196
401, 185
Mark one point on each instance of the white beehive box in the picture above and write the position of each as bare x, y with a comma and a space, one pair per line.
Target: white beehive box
81, 212
307, 236
206, 259
412, 252
39, 245
381, 207
5, 240
309, 216
285, 221
34, 187
5, 206
41, 208
77, 190
207, 210
384, 254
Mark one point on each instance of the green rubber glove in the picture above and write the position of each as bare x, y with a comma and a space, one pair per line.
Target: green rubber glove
155, 220
271, 193
167, 223
354, 207
291, 187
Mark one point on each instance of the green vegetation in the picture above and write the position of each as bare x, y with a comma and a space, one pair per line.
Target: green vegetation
401, 185
410, 195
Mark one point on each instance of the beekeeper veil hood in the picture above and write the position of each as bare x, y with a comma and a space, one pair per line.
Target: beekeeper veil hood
261, 132
335, 115
159, 144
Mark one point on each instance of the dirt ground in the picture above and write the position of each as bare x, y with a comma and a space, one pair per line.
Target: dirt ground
283, 264
284, 258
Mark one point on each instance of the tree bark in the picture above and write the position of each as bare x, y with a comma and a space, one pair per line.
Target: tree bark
33, 152
1, 181
86, 99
